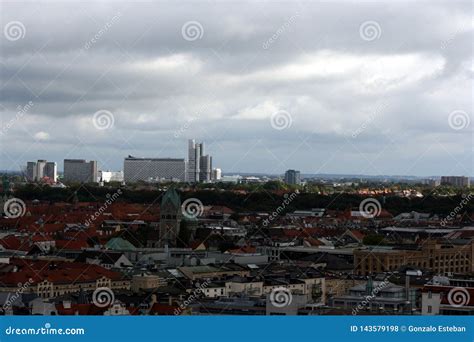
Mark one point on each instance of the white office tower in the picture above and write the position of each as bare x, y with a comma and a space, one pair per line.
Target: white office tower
41, 169
154, 169
216, 174
80, 170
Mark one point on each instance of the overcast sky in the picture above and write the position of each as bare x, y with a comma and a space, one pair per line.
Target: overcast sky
344, 87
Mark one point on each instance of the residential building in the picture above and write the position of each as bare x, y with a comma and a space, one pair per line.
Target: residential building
154, 169
448, 296
80, 170
439, 257
292, 177
457, 181
39, 170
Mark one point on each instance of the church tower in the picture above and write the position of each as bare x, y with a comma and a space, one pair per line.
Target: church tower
170, 217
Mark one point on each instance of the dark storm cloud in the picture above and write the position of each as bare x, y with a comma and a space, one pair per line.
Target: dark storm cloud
356, 104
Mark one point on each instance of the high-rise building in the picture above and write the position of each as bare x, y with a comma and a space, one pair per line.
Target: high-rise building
216, 174
292, 177
39, 170
199, 164
80, 170
154, 169
457, 181
205, 168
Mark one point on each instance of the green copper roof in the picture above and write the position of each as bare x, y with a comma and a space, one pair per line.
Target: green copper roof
172, 196
119, 244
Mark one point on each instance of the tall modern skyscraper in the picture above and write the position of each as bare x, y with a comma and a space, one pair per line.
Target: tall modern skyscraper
292, 177
199, 164
80, 170
37, 171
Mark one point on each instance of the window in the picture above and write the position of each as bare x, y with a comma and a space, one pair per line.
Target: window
430, 294
430, 309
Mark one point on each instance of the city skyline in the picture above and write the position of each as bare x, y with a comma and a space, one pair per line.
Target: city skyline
317, 87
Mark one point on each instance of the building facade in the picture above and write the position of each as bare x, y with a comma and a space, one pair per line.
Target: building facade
457, 181
292, 177
80, 170
37, 171
154, 169
199, 164
432, 255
